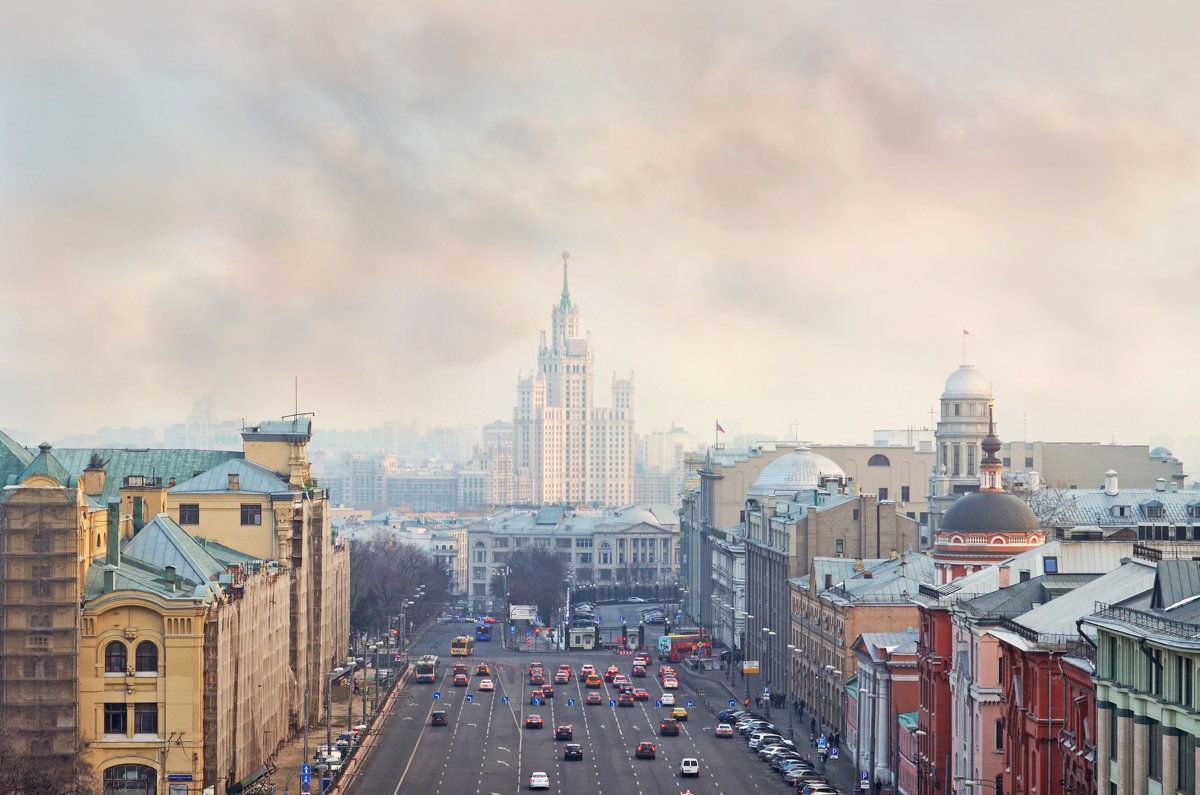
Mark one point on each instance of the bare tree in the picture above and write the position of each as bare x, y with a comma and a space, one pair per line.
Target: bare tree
384, 574
23, 774
535, 577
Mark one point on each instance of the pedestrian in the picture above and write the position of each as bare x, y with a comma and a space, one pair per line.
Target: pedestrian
812, 725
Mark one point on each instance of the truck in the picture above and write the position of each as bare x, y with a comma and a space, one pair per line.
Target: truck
676, 647
427, 669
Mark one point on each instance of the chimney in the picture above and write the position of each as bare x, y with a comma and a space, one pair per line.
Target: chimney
858, 564
1160, 484
1174, 486
828, 581
1110, 483
235, 481
171, 482
112, 555
171, 578
894, 555
110, 578
93, 481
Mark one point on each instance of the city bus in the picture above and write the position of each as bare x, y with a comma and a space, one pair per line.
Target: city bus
427, 669
462, 646
483, 633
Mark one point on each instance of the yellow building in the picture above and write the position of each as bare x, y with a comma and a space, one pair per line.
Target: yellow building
196, 594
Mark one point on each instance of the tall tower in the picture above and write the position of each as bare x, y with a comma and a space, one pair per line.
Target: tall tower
957, 438
558, 433
987, 526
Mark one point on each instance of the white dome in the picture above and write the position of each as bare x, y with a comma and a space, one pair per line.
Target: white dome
799, 470
640, 513
967, 382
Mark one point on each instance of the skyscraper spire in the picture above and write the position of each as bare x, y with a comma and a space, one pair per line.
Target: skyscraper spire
991, 466
565, 302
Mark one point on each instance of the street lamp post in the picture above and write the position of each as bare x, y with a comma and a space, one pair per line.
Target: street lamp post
766, 672
745, 624
336, 673
787, 688
823, 710
975, 782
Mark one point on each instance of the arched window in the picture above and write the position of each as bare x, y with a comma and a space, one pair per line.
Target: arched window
146, 658
115, 658
879, 460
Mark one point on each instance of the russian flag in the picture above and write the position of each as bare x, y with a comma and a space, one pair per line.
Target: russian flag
719, 428
967, 333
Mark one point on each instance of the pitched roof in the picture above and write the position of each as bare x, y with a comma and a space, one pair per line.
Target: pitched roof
162, 543
152, 463
13, 459
46, 463
252, 479
1177, 581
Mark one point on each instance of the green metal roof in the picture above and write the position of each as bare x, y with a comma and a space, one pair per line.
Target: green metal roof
46, 463
152, 463
852, 686
13, 459
908, 719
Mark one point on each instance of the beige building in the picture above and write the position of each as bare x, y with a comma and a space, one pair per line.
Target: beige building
890, 472
175, 649
1071, 465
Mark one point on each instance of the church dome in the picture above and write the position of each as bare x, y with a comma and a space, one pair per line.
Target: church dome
799, 470
989, 511
967, 382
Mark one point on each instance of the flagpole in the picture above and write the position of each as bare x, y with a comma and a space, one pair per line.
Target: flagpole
964, 338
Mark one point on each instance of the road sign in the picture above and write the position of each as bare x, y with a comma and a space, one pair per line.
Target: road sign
470, 698
397, 658
732, 703
306, 770
622, 619
304, 786
679, 616
437, 696
690, 704
570, 702
866, 777
833, 752
528, 641
612, 702
535, 701
821, 741
658, 703
766, 691
503, 699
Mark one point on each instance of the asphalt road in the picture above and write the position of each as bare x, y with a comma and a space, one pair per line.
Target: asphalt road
485, 748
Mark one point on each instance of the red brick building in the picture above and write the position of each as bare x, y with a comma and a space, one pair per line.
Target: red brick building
934, 717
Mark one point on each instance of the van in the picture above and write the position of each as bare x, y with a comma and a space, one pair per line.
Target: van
689, 766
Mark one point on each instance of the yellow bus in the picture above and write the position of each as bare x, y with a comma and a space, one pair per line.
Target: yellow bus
462, 646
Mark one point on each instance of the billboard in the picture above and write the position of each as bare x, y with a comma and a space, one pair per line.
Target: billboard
750, 666
522, 612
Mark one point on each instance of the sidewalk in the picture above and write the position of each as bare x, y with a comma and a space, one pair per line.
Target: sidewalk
715, 692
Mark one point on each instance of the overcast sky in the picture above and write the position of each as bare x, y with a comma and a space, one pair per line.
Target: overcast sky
787, 214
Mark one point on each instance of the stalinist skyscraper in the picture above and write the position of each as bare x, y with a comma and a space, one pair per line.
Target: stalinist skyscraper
566, 451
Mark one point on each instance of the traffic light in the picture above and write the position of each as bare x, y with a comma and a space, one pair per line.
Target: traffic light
537, 630
395, 632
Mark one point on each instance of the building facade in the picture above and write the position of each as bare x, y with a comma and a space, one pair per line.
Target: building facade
565, 450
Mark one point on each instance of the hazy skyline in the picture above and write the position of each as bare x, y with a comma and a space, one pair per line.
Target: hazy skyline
776, 215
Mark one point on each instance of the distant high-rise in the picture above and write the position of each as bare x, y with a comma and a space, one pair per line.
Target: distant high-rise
565, 450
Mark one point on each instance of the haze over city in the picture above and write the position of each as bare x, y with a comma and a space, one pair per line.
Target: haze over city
785, 215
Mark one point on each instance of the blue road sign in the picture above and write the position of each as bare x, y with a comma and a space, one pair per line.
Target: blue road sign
732, 703
537, 702
512, 630
622, 619
766, 691
437, 696
833, 752
612, 703
679, 616
866, 777
658, 703
304, 785
821, 741
570, 702
503, 699
690, 704
306, 770
529, 634
470, 697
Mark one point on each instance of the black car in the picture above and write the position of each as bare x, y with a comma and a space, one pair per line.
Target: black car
573, 751
437, 718
669, 726
564, 733
644, 751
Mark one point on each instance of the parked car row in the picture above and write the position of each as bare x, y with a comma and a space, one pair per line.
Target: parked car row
772, 748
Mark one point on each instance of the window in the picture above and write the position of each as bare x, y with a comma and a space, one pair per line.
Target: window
116, 719
1050, 565
145, 719
883, 493
1112, 734
1006, 463
115, 658
1028, 462
999, 735
251, 515
956, 470
878, 460
189, 514
904, 494
146, 658
841, 546
1185, 762
1154, 749
478, 573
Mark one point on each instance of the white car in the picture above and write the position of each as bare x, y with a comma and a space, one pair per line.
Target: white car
668, 699
486, 684
689, 766
670, 684
539, 780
